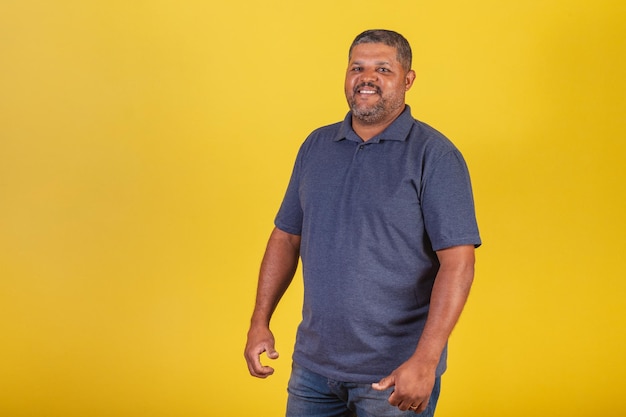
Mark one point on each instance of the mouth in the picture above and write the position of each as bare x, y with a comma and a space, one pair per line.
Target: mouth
367, 89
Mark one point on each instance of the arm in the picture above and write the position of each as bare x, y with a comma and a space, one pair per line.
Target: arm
277, 270
414, 379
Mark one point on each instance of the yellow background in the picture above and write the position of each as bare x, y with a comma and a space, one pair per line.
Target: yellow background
145, 147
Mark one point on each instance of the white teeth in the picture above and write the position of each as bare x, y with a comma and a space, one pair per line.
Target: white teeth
367, 92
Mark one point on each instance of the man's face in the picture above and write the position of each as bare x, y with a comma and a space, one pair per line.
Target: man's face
376, 83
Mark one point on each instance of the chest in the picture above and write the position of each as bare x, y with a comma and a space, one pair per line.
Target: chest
379, 176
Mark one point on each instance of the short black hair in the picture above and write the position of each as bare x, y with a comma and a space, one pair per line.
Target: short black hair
389, 38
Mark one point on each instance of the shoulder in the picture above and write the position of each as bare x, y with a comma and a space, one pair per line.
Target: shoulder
431, 138
329, 132
434, 150
320, 138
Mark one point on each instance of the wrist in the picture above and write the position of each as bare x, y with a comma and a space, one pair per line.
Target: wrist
259, 320
426, 358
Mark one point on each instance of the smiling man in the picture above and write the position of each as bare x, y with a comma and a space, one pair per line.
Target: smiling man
376, 83
379, 209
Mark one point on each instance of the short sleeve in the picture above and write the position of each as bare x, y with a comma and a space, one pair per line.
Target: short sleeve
448, 203
290, 215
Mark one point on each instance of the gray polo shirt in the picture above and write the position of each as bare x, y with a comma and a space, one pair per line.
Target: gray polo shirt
371, 216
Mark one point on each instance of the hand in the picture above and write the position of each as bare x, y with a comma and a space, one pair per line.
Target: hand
260, 339
413, 386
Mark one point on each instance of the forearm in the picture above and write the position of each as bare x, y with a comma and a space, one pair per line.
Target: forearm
277, 270
449, 294
414, 379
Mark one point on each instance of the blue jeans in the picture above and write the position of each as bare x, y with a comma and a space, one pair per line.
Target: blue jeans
312, 395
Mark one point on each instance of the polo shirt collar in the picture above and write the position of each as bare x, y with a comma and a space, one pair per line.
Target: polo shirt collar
398, 130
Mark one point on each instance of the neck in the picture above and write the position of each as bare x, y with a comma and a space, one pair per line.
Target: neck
366, 130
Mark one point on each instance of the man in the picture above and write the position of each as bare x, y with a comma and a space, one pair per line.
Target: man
380, 210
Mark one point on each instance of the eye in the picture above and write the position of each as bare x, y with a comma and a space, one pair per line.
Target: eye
383, 70
357, 69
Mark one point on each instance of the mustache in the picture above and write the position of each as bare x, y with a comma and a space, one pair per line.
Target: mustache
367, 84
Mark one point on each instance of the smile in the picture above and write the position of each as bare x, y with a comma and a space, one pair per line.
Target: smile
367, 88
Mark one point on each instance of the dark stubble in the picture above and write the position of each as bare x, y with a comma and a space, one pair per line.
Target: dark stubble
378, 112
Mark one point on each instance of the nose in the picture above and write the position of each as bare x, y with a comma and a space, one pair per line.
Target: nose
369, 75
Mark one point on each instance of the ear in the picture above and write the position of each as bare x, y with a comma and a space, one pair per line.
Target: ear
408, 80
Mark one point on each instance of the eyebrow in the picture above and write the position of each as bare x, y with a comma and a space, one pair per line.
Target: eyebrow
376, 63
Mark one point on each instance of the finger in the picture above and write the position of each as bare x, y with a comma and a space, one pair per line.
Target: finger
395, 400
253, 360
419, 408
384, 383
265, 372
255, 366
408, 405
257, 369
422, 407
271, 353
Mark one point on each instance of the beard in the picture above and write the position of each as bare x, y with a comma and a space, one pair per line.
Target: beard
377, 112
370, 114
